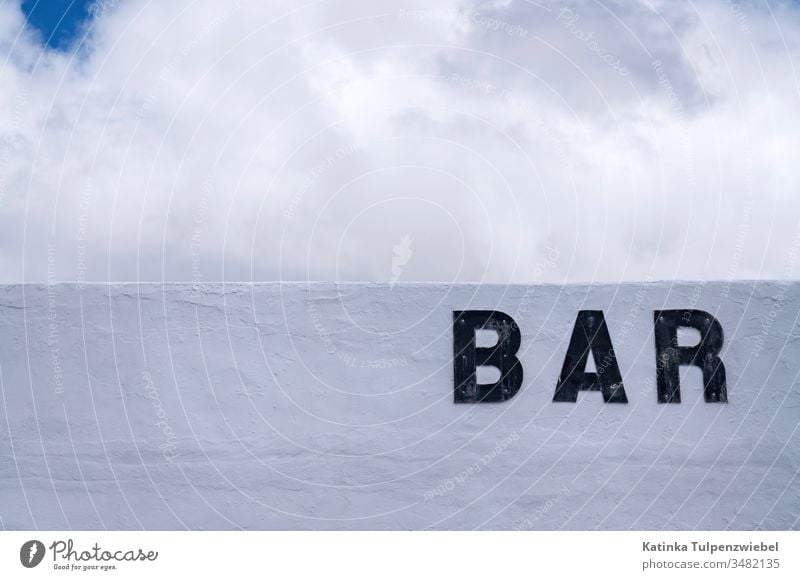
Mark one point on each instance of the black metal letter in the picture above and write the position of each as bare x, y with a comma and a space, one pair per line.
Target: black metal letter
590, 334
467, 357
670, 356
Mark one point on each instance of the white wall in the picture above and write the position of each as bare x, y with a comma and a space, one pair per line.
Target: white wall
331, 407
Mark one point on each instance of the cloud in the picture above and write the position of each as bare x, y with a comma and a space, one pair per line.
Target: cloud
274, 140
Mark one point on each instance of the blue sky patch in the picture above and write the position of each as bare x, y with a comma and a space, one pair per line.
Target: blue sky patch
59, 22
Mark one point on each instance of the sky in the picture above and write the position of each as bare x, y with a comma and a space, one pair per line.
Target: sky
59, 22
497, 141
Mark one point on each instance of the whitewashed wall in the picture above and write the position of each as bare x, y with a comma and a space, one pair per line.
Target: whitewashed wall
329, 406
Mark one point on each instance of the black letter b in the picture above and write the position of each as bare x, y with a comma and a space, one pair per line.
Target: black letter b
467, 357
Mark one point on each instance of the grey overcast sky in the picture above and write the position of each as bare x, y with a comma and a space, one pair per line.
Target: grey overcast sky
499, 141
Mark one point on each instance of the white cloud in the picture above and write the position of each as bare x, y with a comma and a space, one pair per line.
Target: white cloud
264, 140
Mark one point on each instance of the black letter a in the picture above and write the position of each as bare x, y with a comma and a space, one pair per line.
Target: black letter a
590, 334
467, 357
